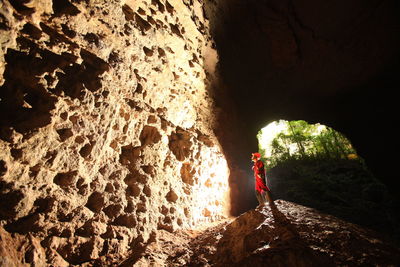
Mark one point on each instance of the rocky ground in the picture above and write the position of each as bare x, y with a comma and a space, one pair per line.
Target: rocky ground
285, 234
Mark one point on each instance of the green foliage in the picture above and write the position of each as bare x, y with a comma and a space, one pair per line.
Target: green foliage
300, 140
316, 166
341, 187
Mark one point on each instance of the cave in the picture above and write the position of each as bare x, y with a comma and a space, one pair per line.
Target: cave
127, 128
335, 63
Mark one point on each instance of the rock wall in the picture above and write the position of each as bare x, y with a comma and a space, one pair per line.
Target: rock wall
106, 125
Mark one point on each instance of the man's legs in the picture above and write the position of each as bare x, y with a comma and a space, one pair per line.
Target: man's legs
260, 197
267, 196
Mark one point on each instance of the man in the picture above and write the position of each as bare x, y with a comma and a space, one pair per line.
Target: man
262, 190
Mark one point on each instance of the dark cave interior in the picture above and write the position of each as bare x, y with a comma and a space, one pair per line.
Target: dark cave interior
332, 62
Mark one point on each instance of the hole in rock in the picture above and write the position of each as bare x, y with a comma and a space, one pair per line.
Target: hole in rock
282, 141
317, 166
281, 59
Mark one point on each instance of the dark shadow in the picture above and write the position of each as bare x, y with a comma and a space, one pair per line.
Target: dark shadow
281, 221
291, 241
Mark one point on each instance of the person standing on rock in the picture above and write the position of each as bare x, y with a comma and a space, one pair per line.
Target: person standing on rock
262, 190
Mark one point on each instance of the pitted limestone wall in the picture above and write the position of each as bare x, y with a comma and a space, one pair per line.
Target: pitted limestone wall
106, 125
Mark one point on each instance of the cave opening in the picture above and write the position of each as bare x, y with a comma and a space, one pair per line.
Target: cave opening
317, 166
297, 144
281, 59
283, 140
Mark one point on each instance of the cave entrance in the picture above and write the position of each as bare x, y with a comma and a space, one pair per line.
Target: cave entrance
318, 167
282, 141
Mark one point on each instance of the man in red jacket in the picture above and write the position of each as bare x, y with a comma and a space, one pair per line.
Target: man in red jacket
262, 190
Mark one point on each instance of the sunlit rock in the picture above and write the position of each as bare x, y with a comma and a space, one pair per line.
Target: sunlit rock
107, 126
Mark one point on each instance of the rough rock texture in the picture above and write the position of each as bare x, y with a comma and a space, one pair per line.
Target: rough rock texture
16, 249
106, 126
286, 234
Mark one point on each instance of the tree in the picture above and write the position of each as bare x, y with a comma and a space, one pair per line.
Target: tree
299, 140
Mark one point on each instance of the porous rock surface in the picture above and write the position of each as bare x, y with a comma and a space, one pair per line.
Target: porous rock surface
106, 128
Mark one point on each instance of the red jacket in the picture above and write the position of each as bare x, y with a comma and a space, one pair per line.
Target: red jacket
259, 175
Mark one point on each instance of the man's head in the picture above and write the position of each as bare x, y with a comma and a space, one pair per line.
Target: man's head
255, 156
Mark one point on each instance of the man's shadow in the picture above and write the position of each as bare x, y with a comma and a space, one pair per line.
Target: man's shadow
288, 237
281, 221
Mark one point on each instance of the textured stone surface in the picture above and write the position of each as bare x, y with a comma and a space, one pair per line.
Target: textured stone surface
106, 125
17, 250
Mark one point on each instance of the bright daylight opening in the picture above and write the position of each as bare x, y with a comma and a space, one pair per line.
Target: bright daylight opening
282, 140
316, 166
